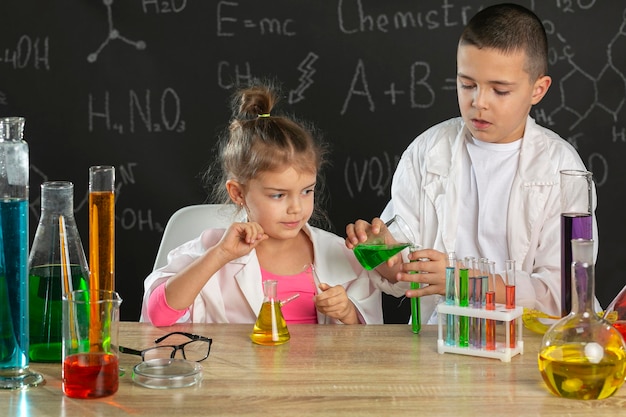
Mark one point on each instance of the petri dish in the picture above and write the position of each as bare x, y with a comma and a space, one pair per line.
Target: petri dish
167, 373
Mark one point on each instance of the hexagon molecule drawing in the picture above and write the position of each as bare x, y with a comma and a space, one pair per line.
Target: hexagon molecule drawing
602, 87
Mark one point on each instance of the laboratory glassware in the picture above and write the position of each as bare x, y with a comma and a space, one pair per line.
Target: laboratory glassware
582, 356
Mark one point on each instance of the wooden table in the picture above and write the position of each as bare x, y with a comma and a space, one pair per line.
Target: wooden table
374, 370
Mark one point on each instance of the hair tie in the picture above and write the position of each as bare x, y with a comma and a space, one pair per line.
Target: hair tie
264, 115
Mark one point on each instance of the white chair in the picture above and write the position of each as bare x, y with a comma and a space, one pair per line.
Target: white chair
188, 222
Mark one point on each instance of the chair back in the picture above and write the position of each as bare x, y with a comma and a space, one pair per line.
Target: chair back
188, 222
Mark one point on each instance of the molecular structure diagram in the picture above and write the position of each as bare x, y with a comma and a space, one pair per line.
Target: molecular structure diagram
114, 34
601, 87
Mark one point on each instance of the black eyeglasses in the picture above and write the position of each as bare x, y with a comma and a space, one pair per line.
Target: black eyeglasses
197, 349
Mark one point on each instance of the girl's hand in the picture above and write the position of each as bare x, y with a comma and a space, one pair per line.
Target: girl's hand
334, 303
240, 239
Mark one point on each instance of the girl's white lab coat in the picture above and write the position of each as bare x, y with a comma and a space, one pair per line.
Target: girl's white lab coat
425, 192
235, 293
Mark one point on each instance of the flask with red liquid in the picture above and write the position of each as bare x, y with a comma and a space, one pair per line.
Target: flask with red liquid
616, 312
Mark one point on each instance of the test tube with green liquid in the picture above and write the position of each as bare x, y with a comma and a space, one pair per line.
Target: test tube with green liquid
416, 316
451, 319
463, 302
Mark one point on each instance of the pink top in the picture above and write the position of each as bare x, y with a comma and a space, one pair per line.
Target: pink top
299, 310
158, 309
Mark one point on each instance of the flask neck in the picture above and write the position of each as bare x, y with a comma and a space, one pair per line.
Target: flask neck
11, 129
269, 289
583, 287
583, 275
57, 198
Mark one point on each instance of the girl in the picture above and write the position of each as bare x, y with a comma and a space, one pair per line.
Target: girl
270, 167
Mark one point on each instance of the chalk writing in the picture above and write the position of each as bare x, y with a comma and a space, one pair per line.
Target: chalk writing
128, 218
141, 112
227, 24
579, 82
138, 219
28, 53
353, 18
373, 174
307, 70
163, 6
226, 71
359, 87
422, 94
597, 163
113, 34
569, 6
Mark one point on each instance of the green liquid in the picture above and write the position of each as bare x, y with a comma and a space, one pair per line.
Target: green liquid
46, 311
463, 302
370, 256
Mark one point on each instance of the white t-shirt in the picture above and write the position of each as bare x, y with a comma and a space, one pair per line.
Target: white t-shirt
487, 175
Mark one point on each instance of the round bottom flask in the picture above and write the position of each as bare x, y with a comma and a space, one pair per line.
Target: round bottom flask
582, 356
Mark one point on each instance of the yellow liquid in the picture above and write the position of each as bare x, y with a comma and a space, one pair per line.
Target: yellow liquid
270, 327
102, 240
569, 374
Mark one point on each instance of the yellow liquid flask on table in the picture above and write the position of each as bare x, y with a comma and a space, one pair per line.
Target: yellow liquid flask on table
270, 327
583, 357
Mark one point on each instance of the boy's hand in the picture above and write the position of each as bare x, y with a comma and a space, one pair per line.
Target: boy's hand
431, 274
334, 302
357, 232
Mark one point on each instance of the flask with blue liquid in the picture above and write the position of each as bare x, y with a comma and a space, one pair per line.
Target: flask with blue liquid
14, 338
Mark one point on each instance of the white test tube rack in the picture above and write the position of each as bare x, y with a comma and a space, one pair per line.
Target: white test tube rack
503, 351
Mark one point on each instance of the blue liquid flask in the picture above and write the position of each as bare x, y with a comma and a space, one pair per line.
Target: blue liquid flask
14, 342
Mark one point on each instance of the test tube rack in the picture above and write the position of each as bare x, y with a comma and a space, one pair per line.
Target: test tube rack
503, 351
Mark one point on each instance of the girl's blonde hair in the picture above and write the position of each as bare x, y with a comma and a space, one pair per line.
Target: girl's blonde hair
259, 139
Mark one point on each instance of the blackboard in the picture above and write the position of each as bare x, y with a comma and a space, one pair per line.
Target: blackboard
144, 85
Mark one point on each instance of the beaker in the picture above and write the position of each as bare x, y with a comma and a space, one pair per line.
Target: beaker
90, 343
582, 356
270, 327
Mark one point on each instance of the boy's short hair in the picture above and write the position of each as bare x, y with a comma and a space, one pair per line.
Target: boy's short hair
510, 28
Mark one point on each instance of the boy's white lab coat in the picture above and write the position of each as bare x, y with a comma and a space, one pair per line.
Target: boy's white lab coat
426, 195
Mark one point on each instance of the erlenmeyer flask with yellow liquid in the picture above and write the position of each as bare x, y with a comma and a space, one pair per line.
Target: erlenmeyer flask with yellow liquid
270, 327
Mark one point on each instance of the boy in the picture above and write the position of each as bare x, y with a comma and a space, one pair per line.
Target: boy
486, 184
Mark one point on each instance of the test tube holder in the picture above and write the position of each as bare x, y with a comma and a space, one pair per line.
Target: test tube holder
503, 351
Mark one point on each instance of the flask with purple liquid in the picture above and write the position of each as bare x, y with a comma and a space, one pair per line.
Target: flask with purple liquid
576, 223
